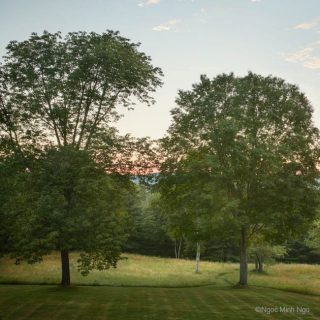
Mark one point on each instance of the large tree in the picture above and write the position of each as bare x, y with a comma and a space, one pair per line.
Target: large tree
65, 91
63, 94
259, 145
68, 203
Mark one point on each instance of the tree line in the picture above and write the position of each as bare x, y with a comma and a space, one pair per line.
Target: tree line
236, 170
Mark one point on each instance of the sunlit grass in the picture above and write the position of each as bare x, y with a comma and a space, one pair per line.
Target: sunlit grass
301, 278
136, 270
133, 270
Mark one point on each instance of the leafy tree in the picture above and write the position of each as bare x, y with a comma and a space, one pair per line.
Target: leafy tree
10, 170
190, 202
69, 203
176, 233
64, 93
258, 144
299, 252
148, 235
263, 252
313, 238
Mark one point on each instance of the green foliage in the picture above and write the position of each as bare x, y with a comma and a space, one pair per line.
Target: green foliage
148, 235
68, 203
267, 253
264, 252
256, 143
59, 99
10, 169
190, 201
313, 238
299, 252
65, 90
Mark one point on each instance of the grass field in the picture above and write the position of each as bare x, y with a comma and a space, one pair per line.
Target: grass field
138, 270
201, 303
169, 289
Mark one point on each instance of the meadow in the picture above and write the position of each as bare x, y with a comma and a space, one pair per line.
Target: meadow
138, 270
156, 288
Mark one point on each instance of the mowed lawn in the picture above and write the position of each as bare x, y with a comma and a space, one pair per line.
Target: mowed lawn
156, 288
37, 302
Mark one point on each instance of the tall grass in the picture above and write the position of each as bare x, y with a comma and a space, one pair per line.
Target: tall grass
137, 270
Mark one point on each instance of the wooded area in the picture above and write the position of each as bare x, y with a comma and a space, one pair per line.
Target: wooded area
235, 179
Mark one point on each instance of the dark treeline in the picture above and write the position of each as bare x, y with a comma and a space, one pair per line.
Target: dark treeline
150, 236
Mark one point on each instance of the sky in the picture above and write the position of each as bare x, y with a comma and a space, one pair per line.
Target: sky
187, 38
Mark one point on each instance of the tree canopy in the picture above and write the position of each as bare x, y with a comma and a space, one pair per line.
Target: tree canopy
64, 91
68, 203
257, 142
59, 100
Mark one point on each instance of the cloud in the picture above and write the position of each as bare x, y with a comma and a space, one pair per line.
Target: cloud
312, 63
148, 3
307, 57
255, 0
307, 25
167, 26
300, 55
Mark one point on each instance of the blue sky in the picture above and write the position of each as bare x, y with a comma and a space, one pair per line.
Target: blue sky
187, 38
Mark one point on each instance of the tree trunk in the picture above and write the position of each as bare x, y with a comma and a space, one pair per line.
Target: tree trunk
256, 263
258, 260
197, 257
260, 269
224, 259
179, 247
243, 258
65, 268
175, 249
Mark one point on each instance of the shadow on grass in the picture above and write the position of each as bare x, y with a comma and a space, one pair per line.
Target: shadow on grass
260, 273
94, 284
221, 274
